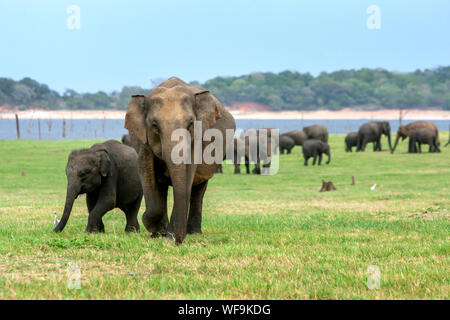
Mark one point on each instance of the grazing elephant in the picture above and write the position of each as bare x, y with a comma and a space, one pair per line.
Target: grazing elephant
153, 119
286, 143
108, 174
351, 140
316, 132
131, 141
407, 130
314, 148
371, 132
299, 136
259, 147
425, 136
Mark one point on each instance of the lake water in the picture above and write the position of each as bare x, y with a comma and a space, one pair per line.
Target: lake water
51, 129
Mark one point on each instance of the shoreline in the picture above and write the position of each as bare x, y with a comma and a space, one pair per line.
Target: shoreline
344, 114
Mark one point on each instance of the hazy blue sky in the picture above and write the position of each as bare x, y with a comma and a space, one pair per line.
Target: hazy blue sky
130, 42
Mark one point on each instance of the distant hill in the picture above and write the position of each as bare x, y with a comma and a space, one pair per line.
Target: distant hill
365, 88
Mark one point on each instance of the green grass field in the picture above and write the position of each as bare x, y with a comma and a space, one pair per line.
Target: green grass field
264, 237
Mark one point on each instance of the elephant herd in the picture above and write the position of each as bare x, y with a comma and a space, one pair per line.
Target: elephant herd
119, 175
418, 132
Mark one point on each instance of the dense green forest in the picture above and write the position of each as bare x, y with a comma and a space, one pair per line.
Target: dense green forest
288, 90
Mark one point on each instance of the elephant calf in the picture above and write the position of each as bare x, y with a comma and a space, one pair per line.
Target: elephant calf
351, 140
286, 143
315, 148
108, 174
425, 136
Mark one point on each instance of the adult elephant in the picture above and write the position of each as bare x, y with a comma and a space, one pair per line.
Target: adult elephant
409, 129
372, 132
153, 119
316, 132
299, 136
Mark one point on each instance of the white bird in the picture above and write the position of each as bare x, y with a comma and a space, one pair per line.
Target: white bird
56, 221
373, 187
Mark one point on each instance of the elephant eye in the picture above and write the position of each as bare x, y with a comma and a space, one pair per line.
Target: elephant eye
155, 126
84, 173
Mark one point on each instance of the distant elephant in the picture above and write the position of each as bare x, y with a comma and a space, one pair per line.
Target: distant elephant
425, 136
153, 119
108, 174
351, 140
238, 152
316, 132
131, 141
219, 169
371, 132
286, 143
299, 136
315, 148
407, 130
259, 148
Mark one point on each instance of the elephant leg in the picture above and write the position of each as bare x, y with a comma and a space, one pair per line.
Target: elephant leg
282, 150
306, 160
131, 212
320, 159
314, 159
95, 223
289, 151
155, 217
194, 223
247, 165
91, 200
237, 168
363, 144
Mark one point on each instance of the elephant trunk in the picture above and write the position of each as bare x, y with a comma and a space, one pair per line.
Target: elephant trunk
395, 144
71, 195
181, 176
389, 141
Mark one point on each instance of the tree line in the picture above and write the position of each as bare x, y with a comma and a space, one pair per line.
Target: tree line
287, 90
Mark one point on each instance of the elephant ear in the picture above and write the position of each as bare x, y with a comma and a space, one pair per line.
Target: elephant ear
104, 162
207, 107
135, 117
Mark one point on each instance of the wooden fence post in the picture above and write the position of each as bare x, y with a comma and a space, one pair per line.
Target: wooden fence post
39, 129
17, 127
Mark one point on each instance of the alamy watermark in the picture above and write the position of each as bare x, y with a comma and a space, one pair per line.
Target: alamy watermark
73, 21
374, 20
73, 276
374, 279
256, 146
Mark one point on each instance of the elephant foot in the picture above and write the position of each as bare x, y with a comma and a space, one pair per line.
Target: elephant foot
194, 231
132, 228
94, 229
153, 225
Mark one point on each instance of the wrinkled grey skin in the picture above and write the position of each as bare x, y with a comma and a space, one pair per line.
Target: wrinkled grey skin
351, 140
108, 174
316, 132
131, 141
315, 148
299, 136
371, 132
286, 143
425, 136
